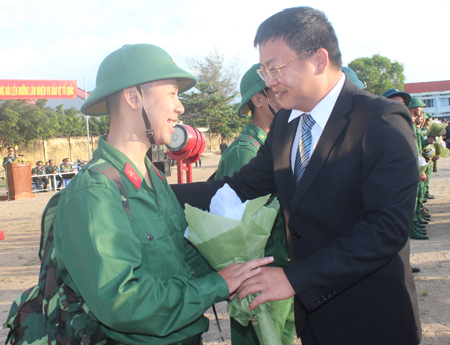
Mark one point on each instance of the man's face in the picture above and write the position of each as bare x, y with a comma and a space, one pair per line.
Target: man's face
38, 165
10, 152
66, 163
398, 99
50, 163
163, 107
296, 89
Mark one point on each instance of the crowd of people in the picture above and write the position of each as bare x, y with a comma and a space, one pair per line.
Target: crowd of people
337, 267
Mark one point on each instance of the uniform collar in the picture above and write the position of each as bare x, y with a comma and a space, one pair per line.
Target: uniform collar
119, 160
256, 132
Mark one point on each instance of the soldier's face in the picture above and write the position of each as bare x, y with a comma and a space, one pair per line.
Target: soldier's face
51, 163
398, 99
163, 107
10, 152
39, 165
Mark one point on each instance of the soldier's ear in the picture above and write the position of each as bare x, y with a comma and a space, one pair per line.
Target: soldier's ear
132, 97
257, 100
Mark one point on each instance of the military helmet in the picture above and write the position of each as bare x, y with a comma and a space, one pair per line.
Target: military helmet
395, 92
353, 77
415, 102
133, 65
251, 84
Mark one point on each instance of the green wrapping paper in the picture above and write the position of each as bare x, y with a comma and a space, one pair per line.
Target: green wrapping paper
223, 240
435, 129
423, 165
441, 148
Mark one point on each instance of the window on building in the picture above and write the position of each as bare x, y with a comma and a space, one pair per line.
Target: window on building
445, 102
429, 102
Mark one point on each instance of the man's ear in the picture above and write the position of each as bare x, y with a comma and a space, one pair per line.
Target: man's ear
257, 100
132, 97
321, 60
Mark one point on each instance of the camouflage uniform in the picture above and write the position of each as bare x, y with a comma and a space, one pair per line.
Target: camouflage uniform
38, 179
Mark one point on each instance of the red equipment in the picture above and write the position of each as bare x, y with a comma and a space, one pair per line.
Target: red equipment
186, 145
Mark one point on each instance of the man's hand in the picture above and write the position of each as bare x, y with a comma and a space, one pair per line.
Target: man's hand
271, 282
431, 140
236, 274
435, 158
423, 177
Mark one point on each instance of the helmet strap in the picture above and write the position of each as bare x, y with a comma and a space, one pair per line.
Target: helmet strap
149, 131
270, 105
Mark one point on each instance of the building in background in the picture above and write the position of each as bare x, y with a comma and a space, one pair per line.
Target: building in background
435, 94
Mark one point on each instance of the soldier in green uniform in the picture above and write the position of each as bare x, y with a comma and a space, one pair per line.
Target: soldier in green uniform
67, 168
52, 169
118, 227
418, 231
37, 173
261, 103
10, 157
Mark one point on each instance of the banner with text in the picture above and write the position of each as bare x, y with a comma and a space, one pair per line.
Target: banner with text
37, 89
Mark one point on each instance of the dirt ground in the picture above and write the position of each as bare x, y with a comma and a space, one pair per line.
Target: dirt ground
19, 267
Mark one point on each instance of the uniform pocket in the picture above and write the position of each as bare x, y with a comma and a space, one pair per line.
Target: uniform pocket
159, 255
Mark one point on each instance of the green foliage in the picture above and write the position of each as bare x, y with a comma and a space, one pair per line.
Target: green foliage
379, 72
23, 123
211, 71
210, 109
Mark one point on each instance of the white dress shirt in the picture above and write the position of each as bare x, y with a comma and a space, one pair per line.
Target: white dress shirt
320, 114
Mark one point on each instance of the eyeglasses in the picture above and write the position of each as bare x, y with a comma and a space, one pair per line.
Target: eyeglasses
274, 72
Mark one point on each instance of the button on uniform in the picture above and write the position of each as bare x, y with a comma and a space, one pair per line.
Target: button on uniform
150, 237
296, 235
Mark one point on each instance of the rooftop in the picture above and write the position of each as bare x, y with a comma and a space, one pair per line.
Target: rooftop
429, 86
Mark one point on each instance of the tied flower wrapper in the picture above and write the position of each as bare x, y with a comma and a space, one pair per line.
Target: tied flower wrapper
423, 165
222, 241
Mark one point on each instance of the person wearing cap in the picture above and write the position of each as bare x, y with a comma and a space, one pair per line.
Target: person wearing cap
404, 98
10, 158
67, 168
397, 95
37, 173
52, 169
118, 228
260, 102
418, 231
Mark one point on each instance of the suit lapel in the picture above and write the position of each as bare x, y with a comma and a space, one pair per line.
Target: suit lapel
333, 128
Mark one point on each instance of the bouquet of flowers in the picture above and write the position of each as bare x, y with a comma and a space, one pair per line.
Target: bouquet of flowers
435, 129
441, 148
236, 232
423, 164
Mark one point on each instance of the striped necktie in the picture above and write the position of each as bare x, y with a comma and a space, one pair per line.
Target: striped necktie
304, 147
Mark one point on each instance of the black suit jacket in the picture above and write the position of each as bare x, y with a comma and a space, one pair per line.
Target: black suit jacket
348, 220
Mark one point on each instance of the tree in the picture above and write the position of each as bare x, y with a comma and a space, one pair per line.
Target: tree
212, 71
207, 108
379, 73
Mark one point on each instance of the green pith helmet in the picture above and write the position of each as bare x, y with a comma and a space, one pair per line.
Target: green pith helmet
415, 102
251, 84
394, 92
353, 77
133, 65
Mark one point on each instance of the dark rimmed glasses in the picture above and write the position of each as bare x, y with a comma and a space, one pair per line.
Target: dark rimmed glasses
274, 72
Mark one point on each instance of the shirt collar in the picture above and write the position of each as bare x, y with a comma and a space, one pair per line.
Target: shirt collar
256, 132
323, 109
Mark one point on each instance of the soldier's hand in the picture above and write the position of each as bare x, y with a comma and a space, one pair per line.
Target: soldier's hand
236, 274
431, 140
423, 177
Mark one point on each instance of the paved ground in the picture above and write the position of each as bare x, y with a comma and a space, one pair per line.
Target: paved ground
20, 220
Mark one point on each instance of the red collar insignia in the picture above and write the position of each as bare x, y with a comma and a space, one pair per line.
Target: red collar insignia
132, 175
156, 171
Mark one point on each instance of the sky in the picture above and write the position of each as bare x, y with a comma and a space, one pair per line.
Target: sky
67, 40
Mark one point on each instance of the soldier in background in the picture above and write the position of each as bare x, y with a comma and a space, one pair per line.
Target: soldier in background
36, 172
259, 101
10, 157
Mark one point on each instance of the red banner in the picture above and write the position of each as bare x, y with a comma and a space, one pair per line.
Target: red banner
37, 89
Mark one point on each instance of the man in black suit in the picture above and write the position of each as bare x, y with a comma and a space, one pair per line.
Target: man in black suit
348, 205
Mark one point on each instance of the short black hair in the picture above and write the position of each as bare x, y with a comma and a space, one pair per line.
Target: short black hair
112, 102
302, 28
250, 104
